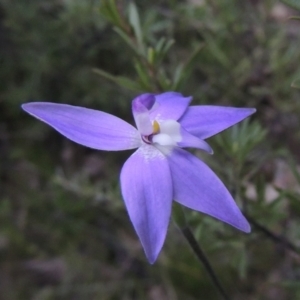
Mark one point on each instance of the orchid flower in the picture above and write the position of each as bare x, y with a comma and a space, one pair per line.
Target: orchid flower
159, 171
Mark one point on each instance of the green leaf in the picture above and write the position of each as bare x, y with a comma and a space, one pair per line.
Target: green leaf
160, 44
292, 3
163, 80
109, 10
243, 264
293, 167
120, 80
183, 70
162, 48
143, 75
296, 84
134, 21
178, 75
128, 40
216, 50
168, 45
151, 55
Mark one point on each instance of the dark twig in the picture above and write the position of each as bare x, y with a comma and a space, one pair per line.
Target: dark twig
203, 259
274, 237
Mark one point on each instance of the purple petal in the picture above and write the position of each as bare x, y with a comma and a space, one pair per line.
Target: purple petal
140, 109
88, 127
196, 186
147, 191
169, 105
205, 121
147, 100
191, 141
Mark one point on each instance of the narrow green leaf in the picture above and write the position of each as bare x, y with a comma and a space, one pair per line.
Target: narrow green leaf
190, 61
243, 264
128, 41
151, 55
293, 167
184, 70
134, 21
143, 75
120, 80
177, 76
128, 83
296, 84
160, 44
292, 3
109, 10
114, 9
163, 80
167, 46
162, 49
216, 51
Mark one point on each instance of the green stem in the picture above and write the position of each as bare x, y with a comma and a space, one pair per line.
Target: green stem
187, 233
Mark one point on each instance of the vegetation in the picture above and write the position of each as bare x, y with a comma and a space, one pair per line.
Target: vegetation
65, 233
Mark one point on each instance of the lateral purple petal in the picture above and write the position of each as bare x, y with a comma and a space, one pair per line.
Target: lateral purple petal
169, 105
147, 191
191, 141
205, 121
88, 127
197, 187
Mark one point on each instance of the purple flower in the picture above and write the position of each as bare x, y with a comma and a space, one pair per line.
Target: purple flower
159, 170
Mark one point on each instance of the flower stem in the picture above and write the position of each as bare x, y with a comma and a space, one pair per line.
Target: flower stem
187, 233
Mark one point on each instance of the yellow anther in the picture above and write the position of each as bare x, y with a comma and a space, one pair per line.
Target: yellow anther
156, 127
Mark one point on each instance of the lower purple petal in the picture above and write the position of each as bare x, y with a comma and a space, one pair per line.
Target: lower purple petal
147, 191
205, 121
196, 186
88, 127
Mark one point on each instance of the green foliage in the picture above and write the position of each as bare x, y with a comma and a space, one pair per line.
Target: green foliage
149, 54
296, 84
292, 3
61, 202
240, 140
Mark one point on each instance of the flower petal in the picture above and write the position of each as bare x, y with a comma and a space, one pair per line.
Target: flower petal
205, 121
191, 141
169, 105
197, 187
88, 127
140, 110
172, 134
147, 191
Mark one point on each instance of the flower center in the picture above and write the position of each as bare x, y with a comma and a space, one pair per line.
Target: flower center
148, 138
166, 133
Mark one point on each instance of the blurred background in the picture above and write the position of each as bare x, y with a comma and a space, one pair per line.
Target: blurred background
64, 232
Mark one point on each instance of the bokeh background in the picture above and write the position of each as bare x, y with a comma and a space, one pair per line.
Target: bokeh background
64, 232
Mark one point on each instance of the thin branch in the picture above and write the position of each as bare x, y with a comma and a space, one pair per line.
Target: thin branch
203, 259
274, 237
